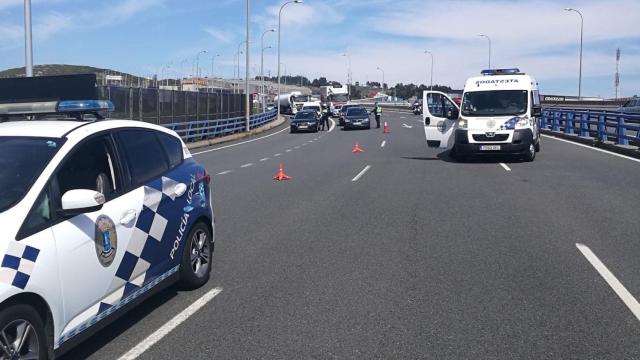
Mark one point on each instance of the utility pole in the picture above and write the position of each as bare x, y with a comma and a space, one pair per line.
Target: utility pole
247, 103
581, 35
28, 42
488, 38
279, 38
617, 80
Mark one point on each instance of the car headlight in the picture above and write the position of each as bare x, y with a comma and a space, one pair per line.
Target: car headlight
463, 124
347, 120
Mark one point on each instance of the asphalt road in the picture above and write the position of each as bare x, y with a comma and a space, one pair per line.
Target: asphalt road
420, 257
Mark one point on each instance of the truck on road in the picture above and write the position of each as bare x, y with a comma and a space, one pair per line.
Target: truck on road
334, 97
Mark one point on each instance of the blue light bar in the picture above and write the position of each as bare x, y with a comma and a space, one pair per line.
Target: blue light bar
84, 106
514, 71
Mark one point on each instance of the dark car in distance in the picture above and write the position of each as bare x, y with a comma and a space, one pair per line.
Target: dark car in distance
305, 120
631, 107
357, 118
343, 111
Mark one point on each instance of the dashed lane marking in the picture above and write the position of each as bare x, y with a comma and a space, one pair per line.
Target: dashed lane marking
264, 159
246, 165
384, 142
224, 172
407, 126
611, 279
277, 155
361, 173
288, 150
504, 166
165, 329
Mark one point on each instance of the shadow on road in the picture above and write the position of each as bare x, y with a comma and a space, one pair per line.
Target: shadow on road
120, 325
482, 159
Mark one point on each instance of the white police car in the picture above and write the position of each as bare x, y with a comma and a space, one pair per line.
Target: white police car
95, 215
500, 114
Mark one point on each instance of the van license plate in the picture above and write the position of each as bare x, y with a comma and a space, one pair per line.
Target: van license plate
489, 147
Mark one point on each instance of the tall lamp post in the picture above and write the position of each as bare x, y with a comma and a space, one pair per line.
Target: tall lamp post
279, 36
213, 64
262, 67
247, 103
198, 63
262, 86
581, 36
488, 38
431, 79
380, 69
348, 73
28, 43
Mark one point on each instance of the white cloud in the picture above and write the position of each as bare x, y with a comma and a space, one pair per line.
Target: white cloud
223, 36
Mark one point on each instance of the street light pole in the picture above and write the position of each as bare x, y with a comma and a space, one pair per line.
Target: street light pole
262, 67
198, 63
247, 103
279, 38
488, 38
28, 43
431, 80
381, 85
581, 36
213, 63
348, 74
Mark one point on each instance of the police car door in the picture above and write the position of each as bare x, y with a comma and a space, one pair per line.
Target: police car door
439, 114
92, 245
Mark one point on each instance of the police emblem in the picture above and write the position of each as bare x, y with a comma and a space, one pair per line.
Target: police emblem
106, 240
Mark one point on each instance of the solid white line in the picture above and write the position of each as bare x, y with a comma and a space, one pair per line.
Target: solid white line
384, 142
240, 143
224, 172
608, 276
361, 173
505, 166
276, 155
246, 165
165, 329
264, 159
594, 148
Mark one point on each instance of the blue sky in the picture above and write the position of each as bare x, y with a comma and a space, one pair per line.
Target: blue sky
144, 36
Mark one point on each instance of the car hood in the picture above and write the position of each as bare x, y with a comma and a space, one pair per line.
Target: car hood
303, 120
359, 117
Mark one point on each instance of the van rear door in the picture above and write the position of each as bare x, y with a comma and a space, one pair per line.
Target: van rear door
440, 114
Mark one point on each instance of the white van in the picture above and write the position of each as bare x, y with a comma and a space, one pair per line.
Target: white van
499, 114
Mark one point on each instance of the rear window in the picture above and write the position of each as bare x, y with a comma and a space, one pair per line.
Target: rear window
144, 154
173, 148
22, 159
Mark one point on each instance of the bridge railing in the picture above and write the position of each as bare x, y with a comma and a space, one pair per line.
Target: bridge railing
191, 131
621, 128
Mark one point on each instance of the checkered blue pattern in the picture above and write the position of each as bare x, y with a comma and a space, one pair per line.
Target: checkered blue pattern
17, 264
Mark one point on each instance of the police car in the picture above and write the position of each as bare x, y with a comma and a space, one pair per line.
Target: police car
95, 215
499, 114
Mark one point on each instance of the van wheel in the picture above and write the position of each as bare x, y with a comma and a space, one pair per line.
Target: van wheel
195, 268
531, 153
538, 144
22, 333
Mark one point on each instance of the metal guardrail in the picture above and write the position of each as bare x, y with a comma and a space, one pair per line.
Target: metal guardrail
622, 128
191, 131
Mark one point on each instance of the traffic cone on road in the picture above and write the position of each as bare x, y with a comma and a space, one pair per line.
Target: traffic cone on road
281, 175
357, 149
386, 128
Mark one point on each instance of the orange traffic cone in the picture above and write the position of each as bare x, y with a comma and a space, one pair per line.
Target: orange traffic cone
386, 128
281, 175
357, 149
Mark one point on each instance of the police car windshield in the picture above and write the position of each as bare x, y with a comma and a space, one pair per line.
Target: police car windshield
26, 157
305, 115
495, 103
356, 112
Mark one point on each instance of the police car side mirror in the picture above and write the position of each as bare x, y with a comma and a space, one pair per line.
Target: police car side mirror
536, 111
81, 201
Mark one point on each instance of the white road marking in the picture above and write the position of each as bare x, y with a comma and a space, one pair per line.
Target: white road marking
611, 279
594, 148
333, 125
240, 143
246, 165
305, 144
224, 172
361, 173
165, 329
407, 126
505, 166
264, 159
296, 147
276, 155
288, 150
384, 142
316, 139
403, 117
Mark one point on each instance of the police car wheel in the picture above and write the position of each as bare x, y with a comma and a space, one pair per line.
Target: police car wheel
22, 333
195, 268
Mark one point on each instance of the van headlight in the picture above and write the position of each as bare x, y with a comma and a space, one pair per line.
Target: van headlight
523, 122
463, 124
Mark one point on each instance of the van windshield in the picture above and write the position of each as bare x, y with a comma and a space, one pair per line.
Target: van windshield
495, 103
